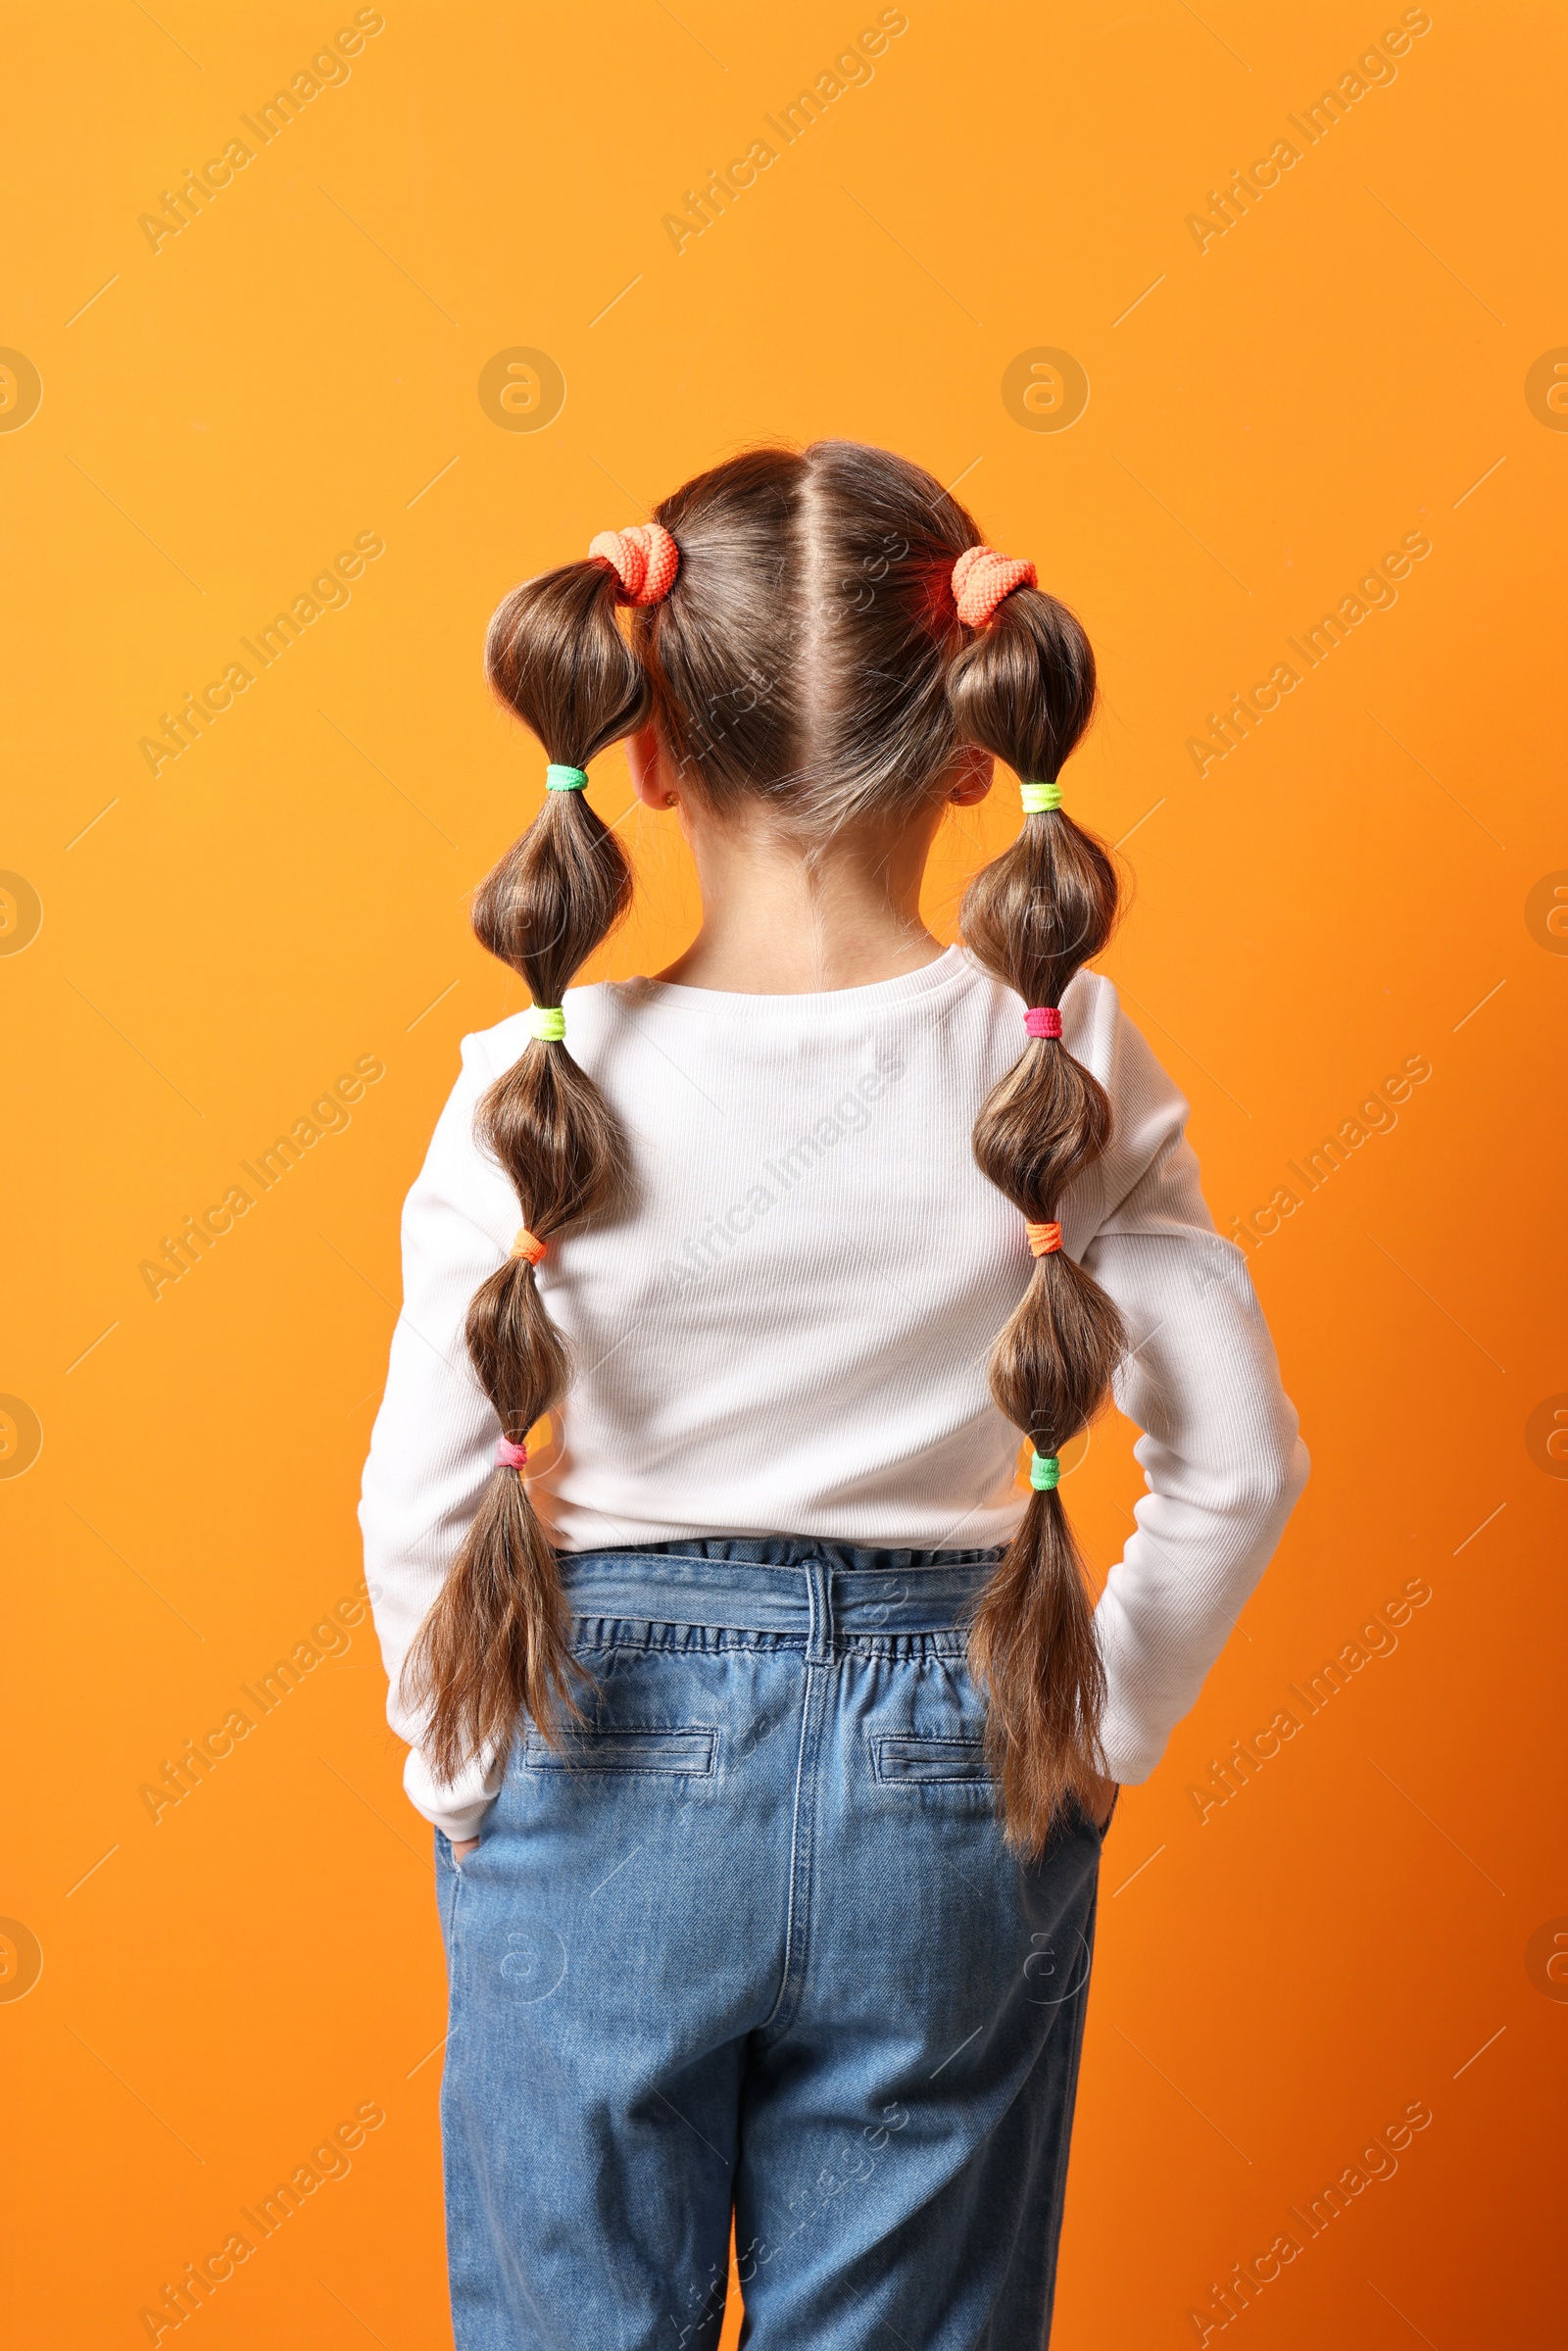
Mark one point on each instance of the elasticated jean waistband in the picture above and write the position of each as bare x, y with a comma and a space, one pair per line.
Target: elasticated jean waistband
807, 1591
786, 1551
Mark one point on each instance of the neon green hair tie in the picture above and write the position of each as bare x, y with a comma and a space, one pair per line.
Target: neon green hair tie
1039, 797
547, 1023
1044, 1472
565, 779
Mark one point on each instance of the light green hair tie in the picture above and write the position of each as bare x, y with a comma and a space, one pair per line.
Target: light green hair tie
547, 1023
1044, 1472
565, 779
1037, 798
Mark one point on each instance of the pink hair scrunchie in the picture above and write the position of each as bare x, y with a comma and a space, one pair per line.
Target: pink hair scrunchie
982, 577
645, 559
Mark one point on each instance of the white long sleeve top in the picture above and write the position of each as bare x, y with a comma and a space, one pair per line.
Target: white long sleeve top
784, 1328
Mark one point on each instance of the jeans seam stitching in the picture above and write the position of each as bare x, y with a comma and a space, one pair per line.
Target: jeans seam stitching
788, 1990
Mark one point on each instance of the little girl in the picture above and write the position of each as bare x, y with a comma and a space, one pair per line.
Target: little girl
766, 1723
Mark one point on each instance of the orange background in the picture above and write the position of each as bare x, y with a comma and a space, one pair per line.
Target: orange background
1367, 876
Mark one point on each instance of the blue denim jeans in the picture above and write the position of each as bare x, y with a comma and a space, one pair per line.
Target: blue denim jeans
752, 1942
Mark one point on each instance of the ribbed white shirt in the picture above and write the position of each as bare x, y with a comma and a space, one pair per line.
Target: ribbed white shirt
784, 1327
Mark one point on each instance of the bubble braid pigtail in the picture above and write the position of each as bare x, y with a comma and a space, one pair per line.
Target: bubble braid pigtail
1023, 687
495, 1646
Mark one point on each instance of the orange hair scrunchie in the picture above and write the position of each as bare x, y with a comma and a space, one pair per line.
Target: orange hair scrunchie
982, 577
644, 559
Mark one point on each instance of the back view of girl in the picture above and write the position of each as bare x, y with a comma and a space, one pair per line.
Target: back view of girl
765, 1718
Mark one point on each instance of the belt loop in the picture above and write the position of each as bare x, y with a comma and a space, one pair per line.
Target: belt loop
820, 1590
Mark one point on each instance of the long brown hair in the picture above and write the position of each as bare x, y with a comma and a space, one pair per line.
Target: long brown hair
810, 658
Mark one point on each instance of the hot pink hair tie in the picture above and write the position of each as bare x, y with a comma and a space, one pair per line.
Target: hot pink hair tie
509, 1455
645, 559
1042, 1020
981, 578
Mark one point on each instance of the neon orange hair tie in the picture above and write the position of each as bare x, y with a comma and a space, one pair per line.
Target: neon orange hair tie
981, 578
1043, 1238
645, 559
528, 1244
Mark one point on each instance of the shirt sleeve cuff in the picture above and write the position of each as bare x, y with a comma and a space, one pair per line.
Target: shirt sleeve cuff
457, 1808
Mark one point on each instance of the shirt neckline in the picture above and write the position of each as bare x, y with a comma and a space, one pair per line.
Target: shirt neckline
950, 970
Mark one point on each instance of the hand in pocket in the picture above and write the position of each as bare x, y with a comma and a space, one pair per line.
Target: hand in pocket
1104, 1803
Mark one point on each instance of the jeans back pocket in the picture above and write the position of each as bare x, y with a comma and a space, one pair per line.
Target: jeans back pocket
683, 1750
901, 1760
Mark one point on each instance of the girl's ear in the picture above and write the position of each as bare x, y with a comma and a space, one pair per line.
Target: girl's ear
972, 777
647, 775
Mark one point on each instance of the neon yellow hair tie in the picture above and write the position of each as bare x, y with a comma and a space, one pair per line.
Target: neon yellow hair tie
547, 1023
565, 779
1037, 798
1044, 1472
